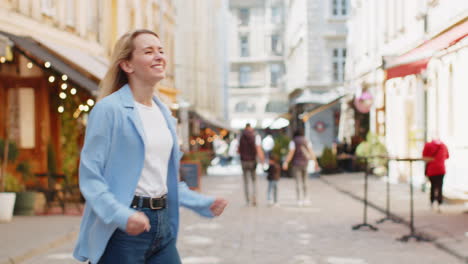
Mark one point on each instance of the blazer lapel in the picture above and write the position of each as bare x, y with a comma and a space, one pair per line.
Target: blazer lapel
129, 104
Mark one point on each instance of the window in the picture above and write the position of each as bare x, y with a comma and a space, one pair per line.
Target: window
276, 107
244, 75
338, 60
244, 16
340, 7
275, 74
48, 7
244, 107
276, 15
70, 19
94, 18
244, 46
276, 47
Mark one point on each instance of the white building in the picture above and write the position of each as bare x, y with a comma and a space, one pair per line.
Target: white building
412, 55
256, 37
315, 62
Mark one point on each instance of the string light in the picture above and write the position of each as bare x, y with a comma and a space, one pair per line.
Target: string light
73, 91
90, 102
47, 64
51, 79
29, 65
2, 59
63, 95
192, 142
86, 108
64, 77
64, 86
81, 107
61, 109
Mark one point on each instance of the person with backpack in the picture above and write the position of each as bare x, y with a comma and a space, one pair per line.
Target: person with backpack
300, 152
249, 149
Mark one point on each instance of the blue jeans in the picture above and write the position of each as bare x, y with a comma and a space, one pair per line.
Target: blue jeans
272, 187
158, 246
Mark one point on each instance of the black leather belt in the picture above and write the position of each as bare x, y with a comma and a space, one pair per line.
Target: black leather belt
148, 202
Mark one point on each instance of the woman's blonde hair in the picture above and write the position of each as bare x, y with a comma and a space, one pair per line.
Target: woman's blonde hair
115, 77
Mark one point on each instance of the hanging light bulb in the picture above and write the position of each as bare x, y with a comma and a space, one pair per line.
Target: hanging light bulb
61, 109
73, 91
29, 65
90, 102
64, 77
63, 95
86, 108
51, 79
64, 86
47, 64
81, 107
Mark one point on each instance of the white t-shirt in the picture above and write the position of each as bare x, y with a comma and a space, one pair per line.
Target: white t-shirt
158, 145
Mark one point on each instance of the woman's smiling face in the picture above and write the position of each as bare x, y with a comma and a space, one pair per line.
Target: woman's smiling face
148, 62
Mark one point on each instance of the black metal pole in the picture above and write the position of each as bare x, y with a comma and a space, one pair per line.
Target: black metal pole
388, 217
412, 234
365, 224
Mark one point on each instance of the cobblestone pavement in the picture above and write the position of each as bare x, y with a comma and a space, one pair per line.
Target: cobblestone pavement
317, 233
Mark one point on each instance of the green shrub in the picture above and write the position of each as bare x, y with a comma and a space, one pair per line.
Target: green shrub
12, 184
373, 147
328, 161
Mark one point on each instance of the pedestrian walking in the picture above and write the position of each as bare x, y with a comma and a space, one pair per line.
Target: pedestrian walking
300, 153
435, 153
273, 176
250, 149
129, 164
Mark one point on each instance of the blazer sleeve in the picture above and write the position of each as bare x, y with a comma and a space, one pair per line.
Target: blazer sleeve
194, 201
94, 155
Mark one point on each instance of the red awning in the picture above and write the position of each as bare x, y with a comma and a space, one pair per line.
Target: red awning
416, 60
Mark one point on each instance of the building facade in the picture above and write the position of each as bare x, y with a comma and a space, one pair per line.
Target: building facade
201, 65
257, 93
52, 56
315, 58
412, 59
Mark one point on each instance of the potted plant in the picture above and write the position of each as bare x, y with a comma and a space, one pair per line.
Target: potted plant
8, 153
328, 161
375, 151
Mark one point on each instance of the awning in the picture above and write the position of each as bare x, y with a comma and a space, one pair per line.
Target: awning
39, 54
415, 61
212, 121
307, 115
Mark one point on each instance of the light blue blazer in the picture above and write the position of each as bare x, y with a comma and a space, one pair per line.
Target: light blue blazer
110, 166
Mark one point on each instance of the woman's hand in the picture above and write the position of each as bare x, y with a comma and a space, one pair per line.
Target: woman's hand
137, 223
217, 207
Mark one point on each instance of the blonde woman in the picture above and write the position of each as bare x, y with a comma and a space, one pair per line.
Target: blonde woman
129, 164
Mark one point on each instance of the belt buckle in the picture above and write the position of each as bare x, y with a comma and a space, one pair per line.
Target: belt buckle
154, 207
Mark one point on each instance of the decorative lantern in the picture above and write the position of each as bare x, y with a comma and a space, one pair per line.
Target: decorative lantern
363, 103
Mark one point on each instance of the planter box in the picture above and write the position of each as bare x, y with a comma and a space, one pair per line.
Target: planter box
7, 203
24, 204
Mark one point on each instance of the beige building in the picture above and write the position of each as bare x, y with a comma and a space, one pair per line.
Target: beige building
201, 65
53, 55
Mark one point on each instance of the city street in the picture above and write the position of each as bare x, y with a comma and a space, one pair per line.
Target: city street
316, 233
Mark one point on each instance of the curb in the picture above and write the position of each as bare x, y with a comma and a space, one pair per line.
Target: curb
41, 249
433, 241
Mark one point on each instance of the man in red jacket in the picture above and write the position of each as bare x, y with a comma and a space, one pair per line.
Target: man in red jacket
435, 153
